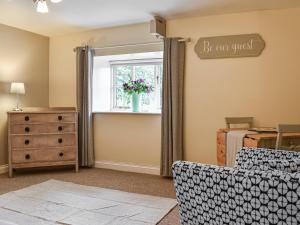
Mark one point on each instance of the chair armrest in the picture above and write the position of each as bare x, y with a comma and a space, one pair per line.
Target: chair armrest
254, 154
233, 196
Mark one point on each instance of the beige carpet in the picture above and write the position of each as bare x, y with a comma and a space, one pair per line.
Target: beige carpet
130, 182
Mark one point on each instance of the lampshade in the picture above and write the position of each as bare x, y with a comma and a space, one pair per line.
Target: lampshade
17, 88
42, 6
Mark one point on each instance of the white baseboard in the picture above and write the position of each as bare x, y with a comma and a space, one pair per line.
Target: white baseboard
127, 167
3, 169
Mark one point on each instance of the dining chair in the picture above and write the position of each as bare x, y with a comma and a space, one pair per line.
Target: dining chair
239, 121
286, 129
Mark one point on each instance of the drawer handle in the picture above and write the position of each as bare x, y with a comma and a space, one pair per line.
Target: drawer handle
59, 117
26, 142
26, 118
27, 156
27, 129
61, 154
60, 128
60, 140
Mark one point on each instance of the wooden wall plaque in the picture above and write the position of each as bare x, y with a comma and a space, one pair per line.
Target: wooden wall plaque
232, 46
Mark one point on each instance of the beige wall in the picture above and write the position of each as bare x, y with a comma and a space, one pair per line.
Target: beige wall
130, 139
24, 57
265, 87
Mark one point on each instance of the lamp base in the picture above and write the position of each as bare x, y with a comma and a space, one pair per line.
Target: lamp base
17, 110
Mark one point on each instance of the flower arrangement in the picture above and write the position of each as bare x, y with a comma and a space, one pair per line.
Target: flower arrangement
137, 87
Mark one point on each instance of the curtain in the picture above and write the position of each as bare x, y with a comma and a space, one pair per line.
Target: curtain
172, 104
84, 61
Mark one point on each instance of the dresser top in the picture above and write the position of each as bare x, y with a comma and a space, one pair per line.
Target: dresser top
45, 110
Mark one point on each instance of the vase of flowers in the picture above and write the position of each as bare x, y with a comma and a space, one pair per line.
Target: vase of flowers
135, 88
135, 102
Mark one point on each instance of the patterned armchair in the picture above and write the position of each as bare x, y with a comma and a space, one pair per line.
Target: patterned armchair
215, 195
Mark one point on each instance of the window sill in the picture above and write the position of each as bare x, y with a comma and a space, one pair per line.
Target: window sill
129, 113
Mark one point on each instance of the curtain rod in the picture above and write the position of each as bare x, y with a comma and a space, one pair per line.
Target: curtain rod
133, 45
128, 45
187, 40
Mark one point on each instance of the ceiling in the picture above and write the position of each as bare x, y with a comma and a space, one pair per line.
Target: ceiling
79, 15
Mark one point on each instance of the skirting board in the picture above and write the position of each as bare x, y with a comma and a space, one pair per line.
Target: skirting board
127, 167
3, 169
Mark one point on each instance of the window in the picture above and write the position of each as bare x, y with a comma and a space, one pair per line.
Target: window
150, 71
111, 72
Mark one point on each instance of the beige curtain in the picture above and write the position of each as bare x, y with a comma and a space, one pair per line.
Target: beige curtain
172, 104
84, 60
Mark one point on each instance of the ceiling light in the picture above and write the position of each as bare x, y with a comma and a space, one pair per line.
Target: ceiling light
42, 6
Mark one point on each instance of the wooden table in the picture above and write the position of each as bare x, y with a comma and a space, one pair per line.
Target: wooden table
258, 140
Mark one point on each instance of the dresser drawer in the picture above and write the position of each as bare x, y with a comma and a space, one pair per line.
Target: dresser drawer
37, 141
42, 118
46, 155
42, 128
61, 140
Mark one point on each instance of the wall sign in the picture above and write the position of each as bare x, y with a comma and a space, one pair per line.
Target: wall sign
233, 46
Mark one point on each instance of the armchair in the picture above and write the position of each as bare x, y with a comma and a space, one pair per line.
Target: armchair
216, 195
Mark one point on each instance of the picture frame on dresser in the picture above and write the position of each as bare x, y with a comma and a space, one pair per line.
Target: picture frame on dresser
42, 137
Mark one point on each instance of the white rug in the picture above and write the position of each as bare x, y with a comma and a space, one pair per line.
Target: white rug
57, 202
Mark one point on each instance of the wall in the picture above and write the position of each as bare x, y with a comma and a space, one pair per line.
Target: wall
265, 87
24, 57
129, 139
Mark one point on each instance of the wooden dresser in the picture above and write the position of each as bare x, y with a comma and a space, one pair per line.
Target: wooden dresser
39, 137
258, 140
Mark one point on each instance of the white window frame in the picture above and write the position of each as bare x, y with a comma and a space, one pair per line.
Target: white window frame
157, 61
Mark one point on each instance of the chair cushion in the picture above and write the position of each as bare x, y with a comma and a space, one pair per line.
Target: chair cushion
287, 165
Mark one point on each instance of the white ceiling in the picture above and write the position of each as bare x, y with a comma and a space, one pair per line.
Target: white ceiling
78, 15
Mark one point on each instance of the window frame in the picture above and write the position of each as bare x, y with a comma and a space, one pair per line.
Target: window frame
157, 62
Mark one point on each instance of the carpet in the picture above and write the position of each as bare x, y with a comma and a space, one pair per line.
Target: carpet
58, 202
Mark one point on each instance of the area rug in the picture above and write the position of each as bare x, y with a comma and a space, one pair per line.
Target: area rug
57, 202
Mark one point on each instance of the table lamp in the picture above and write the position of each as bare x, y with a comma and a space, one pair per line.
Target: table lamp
18, 89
